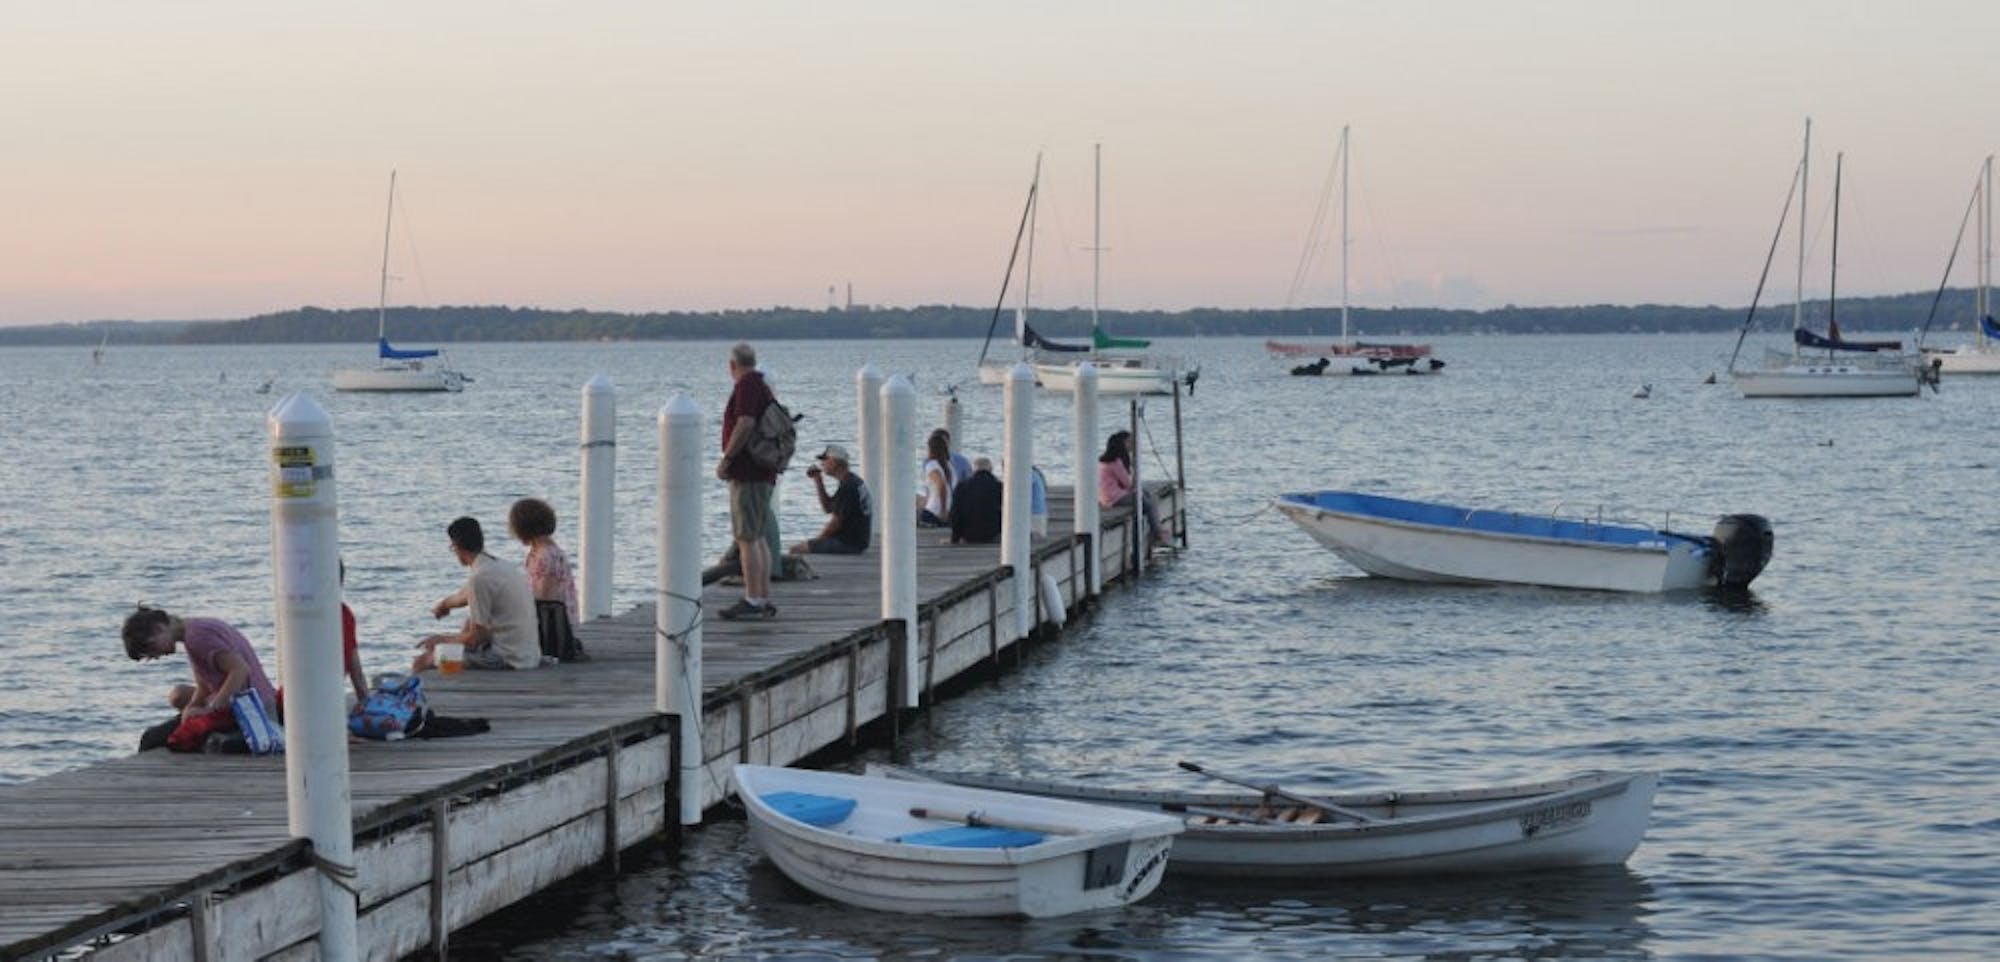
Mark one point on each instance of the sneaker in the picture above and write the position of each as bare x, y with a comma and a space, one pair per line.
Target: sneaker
744, 609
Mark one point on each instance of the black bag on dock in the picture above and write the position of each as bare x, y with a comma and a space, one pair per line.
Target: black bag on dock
558, 640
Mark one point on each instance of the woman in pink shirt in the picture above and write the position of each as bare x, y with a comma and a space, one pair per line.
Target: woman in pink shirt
1114, 484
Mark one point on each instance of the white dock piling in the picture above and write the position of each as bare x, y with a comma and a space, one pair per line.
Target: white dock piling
1015, 539
1084, 445
868, 434
898, 511
953, 420
677, 608
305, 564
598, 497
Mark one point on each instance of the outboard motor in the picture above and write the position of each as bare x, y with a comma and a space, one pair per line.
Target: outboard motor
1742, 548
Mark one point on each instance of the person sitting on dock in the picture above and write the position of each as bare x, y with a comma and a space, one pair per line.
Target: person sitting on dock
223, 663
1114, 484
500, 630
976, 506
934, 505
850, 510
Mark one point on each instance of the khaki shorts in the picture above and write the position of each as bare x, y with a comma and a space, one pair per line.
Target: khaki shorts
749, 508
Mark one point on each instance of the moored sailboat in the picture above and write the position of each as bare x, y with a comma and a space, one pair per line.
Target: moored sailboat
1384, 358
396, 369
1125, 365
1982, 356
1034, 347
1824, 365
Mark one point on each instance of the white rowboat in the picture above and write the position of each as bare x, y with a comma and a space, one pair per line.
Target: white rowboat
1592, 819
859, 840
1428, 541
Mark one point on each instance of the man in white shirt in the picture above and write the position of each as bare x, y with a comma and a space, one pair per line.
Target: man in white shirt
500, 631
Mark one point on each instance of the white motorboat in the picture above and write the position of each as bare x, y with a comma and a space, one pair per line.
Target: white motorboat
1982, 356
396, 369
928, 849
1271, 833
1825, 365
1427, 541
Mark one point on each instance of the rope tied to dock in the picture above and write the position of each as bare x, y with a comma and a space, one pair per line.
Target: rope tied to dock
690, 691
345, 876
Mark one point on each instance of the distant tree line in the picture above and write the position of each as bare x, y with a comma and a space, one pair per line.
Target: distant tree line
439, 325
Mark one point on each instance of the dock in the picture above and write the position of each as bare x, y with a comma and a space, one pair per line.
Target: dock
168, 857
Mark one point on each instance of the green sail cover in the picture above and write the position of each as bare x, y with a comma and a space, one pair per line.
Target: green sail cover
1103, 341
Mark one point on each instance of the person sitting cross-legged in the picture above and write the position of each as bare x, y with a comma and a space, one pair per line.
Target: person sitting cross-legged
500, 629
976, 506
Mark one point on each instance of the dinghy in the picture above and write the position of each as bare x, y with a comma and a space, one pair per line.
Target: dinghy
1428, 541
1271, 833
933, 849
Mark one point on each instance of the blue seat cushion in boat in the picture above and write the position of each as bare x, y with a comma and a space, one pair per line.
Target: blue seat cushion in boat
815, 810
973, 836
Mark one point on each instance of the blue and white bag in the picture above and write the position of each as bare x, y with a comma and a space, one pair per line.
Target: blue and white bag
395, 709
260, 731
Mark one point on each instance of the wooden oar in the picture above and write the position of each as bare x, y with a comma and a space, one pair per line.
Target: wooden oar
1224, 814
1273, 791
980, 819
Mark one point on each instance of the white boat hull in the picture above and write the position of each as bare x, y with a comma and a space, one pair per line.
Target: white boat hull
1966, 360
1829, 380
1411, 551
1588, 820
1102, 857
1113, 378
397, 378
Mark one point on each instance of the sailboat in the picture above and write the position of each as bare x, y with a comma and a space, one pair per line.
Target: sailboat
1982, 356
1124, 365
396, 369
1034, 347
1384, 357
1823, 365
97, 353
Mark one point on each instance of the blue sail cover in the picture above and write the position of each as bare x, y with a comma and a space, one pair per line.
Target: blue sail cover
1992, 330
1805, 338
384, 351
1031, 339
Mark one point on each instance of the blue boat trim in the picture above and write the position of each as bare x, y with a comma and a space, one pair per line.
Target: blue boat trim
818, 811
972, 836
1505, 523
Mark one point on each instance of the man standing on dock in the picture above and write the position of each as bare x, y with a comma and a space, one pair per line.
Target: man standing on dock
749, 483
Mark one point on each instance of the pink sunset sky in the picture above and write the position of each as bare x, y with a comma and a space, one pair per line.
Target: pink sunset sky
222, 159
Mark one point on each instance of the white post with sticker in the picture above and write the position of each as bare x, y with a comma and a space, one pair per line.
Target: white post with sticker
599, 495
677, 579
305, 562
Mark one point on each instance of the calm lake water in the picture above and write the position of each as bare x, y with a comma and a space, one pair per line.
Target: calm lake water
1827, 748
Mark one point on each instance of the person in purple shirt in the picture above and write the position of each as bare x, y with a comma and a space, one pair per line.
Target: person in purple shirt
222, 661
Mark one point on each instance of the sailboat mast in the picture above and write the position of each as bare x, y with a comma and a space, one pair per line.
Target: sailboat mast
1833, 260
382, 299
1096, 232
1034, 208
1984, 304
1799, 301
1344, 173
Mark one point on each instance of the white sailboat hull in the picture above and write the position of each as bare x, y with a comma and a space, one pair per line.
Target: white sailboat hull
1089, 856
397, 377
1113, 377
1830, 379
1418, 541
1970, 359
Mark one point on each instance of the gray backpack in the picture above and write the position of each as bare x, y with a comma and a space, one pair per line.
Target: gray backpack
774, 438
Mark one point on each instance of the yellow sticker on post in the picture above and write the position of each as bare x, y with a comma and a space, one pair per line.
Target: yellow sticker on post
295, 475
